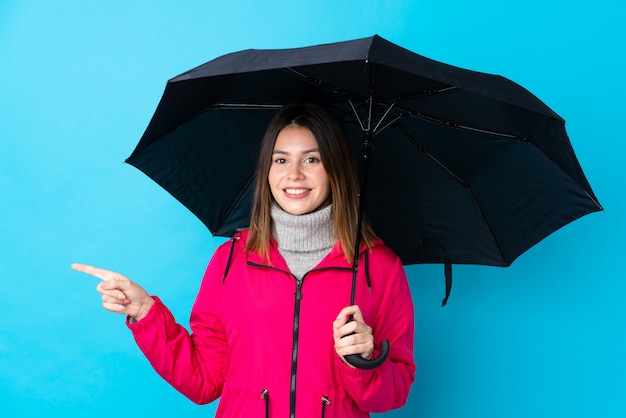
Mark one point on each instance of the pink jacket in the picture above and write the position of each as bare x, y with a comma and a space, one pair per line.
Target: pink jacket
264, 343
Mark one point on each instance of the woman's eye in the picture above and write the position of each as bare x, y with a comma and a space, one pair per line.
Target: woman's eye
279, 161
312, 160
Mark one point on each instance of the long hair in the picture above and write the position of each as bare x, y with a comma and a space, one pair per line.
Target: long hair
337, 161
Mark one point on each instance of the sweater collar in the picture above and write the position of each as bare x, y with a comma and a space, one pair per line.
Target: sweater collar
303, 233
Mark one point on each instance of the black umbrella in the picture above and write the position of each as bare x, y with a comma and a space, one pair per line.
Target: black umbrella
465, 167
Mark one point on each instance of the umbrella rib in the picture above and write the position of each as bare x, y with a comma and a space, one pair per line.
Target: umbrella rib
463, 183
356, 114
441, 121
446, 122
247, 106
319, 83
423, 149
427, 93
390, 123
382, 118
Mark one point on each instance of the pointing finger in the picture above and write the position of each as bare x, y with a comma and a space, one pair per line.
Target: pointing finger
97, 272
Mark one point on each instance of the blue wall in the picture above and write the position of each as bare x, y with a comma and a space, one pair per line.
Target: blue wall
78, 84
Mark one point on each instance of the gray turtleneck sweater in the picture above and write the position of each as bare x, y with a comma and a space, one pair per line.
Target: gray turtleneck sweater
303, 240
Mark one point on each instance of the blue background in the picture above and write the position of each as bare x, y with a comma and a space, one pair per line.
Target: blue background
79, 81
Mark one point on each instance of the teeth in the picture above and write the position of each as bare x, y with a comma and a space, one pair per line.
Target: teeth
296, 191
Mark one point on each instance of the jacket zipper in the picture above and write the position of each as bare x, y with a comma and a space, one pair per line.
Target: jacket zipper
325, 403
265, 395
294, 353
296, 332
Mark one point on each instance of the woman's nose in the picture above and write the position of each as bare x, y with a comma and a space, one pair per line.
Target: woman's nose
295, 172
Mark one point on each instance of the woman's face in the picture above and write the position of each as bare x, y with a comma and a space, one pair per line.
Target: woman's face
297, 177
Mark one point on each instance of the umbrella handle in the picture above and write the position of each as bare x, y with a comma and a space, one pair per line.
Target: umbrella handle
361, 363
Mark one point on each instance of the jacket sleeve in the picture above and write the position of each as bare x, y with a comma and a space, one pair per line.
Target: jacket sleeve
194, 364
387, 386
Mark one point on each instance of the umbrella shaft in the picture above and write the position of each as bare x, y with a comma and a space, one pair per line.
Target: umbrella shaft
367, 146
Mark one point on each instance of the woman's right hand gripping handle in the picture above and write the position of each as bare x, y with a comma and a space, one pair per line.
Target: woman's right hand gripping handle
119, 294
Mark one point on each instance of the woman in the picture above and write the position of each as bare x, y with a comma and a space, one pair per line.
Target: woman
269, 326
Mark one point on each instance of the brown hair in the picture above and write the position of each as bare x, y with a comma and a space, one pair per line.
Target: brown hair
337, 160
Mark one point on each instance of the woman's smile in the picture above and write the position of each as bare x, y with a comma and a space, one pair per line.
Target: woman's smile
296, 191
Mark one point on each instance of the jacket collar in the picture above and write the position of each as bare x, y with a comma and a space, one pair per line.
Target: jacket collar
334, 259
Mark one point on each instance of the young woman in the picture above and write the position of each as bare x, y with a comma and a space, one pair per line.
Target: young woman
270, 327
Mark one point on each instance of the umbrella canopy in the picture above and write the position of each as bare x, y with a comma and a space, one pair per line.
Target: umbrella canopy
465, 167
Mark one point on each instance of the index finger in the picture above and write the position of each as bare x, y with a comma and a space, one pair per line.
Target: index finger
346, 315
349, 311
96, 271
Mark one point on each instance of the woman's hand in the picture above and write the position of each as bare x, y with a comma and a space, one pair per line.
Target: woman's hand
352, 337
119, 294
